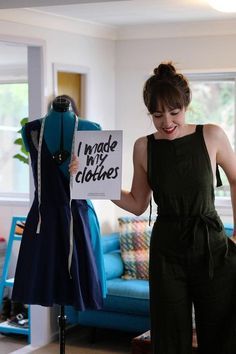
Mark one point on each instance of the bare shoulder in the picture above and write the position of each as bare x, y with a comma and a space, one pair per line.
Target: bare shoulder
140, 152
215, 136
141, 143
213, 131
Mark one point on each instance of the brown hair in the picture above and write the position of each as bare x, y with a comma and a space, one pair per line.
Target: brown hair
166, 88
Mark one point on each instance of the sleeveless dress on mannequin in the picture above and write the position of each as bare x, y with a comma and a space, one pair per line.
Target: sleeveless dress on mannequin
42, 275
191, 258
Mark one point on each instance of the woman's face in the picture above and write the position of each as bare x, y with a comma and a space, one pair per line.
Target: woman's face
169, 122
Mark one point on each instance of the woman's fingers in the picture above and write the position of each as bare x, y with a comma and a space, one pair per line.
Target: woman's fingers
74, 165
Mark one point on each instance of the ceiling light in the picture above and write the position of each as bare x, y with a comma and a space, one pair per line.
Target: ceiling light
223, 5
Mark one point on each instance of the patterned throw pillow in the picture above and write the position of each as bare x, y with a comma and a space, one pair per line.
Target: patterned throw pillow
135, 235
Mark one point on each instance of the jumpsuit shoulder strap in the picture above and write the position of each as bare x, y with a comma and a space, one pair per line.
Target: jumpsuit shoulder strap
199, 129
218, 177
150, 138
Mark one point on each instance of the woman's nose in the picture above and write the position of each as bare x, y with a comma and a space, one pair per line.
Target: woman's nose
167, 120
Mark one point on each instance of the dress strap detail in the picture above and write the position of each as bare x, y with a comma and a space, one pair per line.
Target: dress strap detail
71, 185
39, 173
218, 177
150, 138
40, 187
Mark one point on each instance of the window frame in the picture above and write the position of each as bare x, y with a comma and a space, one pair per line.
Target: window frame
10, 198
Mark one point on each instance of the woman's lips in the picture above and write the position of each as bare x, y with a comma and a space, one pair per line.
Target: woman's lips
169, 130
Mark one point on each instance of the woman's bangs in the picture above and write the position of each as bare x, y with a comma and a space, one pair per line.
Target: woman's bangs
169, 98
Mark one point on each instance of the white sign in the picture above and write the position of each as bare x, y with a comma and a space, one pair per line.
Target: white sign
100, 161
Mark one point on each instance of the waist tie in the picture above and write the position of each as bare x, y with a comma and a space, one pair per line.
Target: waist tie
209, 220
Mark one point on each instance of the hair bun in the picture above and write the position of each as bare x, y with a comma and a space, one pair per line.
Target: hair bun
165, 70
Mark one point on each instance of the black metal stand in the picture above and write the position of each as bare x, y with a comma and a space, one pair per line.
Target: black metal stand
62, 328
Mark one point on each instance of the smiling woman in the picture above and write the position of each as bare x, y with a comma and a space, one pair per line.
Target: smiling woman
192, 261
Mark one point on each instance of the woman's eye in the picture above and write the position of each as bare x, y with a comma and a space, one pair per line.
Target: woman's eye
156, 115
174, 113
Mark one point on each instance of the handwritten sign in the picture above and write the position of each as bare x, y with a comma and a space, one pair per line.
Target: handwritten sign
100, 160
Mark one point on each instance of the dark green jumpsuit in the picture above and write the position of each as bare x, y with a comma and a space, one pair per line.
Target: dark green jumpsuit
192, 261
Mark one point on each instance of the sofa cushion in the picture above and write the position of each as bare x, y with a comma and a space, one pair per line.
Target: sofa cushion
135, 235
129, 296
134, 288
114, 267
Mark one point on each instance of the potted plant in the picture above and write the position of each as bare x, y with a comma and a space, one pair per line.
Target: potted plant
23, 155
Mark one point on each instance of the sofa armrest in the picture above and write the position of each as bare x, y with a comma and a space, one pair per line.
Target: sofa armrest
110, 242
114, 267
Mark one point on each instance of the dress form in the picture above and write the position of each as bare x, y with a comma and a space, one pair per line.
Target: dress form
42, 275
59, 125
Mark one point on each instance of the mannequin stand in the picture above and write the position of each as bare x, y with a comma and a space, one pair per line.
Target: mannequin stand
62, 327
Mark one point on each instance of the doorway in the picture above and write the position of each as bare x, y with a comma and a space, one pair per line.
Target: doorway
70, 84
72, 81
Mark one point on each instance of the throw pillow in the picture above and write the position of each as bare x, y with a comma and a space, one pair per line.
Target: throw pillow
135, 235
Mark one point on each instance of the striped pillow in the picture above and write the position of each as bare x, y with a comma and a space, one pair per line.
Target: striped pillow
135, 235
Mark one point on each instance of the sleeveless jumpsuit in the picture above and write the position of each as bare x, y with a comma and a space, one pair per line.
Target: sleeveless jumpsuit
192, 261
42, 276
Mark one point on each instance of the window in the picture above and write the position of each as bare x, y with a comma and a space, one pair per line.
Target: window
213, 101
14, 174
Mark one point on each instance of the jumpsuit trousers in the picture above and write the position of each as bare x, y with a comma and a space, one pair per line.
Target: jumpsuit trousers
192, 261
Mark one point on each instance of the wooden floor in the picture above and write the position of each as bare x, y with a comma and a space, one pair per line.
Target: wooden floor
10, 343
78, 341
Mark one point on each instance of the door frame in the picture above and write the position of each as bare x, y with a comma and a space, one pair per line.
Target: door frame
35, 71
74, 69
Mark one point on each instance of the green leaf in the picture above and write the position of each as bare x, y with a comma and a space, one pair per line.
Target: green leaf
23, 150
24, 121
18, 141
21, 158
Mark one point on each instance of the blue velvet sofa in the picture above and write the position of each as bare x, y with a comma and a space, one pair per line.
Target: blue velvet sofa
126, 306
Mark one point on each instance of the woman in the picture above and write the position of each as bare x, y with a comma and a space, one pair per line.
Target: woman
191, 259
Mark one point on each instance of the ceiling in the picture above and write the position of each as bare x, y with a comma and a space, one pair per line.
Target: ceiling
123, 12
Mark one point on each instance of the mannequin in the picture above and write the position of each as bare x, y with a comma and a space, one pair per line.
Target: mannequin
60, 258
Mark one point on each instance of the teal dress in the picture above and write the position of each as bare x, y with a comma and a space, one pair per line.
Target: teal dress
191, 259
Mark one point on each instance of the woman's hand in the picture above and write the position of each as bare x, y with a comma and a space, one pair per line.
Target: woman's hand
74, 165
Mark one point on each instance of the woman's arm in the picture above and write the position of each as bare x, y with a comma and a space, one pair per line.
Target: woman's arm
137, 199
226, 158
